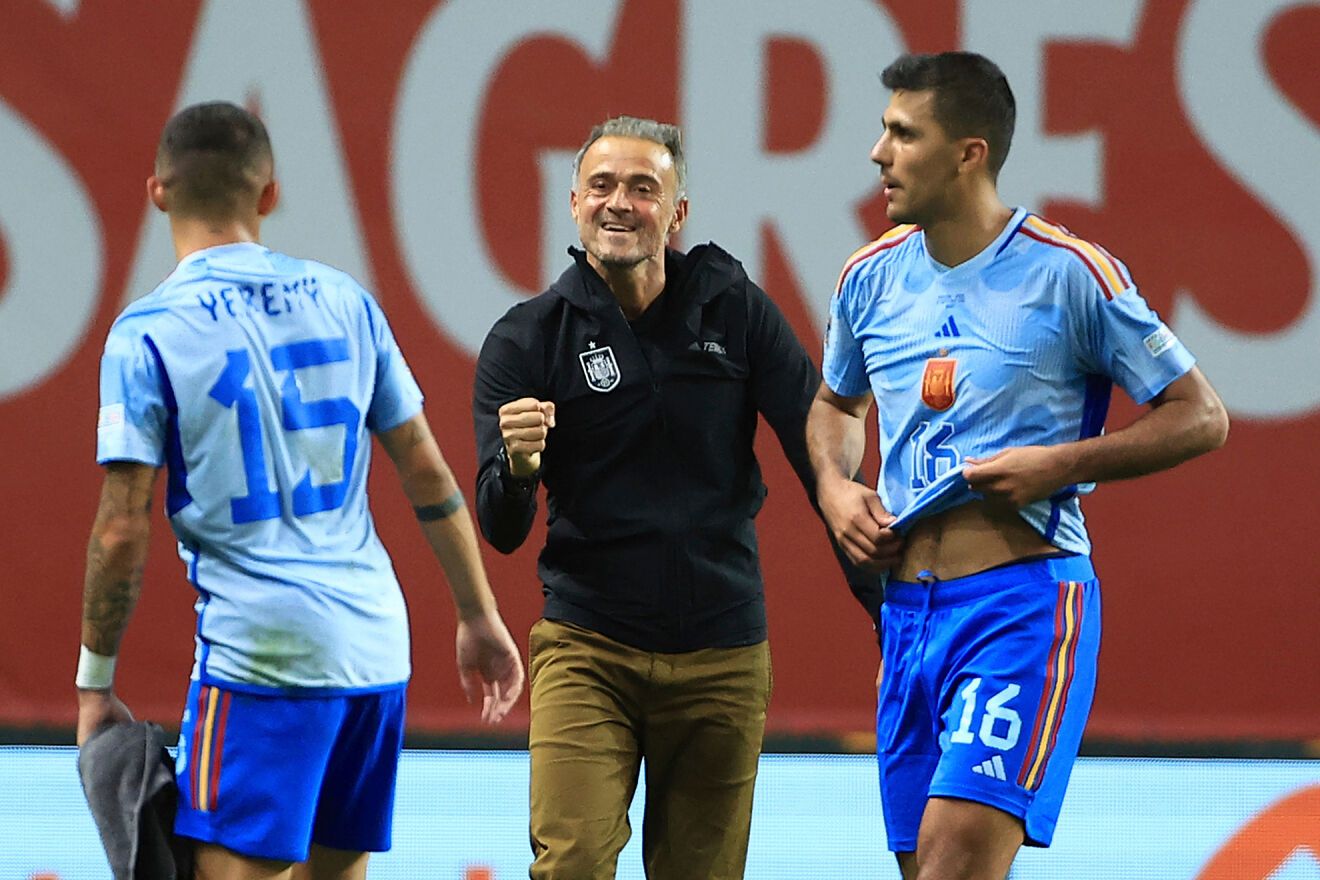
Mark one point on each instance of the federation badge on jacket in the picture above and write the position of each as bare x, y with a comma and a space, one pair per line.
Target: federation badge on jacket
937, 383
600, 368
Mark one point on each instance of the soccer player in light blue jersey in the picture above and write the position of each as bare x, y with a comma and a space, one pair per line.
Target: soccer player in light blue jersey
989, 340
257, 380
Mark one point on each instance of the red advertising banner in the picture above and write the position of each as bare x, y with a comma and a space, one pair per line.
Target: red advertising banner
427, 149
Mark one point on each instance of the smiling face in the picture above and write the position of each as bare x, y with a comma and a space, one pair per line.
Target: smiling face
919, 162
626, 202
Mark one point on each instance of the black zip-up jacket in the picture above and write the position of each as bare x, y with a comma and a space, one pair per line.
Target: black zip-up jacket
651, 479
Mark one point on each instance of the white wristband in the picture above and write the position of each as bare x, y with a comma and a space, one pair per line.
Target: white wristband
96, 672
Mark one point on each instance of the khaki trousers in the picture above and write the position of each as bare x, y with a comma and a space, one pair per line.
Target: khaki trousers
601, 708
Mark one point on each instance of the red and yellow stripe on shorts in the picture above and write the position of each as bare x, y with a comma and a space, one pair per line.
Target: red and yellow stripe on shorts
208, 747
1058, 681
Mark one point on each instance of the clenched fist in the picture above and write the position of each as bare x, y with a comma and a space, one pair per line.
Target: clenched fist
524, 425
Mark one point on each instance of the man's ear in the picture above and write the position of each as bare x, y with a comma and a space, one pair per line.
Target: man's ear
680, 216
156, 193
976, 153
269, 198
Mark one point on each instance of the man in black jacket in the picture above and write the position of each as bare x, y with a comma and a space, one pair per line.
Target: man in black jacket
631, 388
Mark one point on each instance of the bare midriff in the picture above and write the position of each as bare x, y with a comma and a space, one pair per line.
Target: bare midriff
966, 539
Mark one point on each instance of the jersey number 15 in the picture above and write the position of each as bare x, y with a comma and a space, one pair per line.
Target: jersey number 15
231, 391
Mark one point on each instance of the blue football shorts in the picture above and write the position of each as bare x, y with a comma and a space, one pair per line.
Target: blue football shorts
268, 775
988, 681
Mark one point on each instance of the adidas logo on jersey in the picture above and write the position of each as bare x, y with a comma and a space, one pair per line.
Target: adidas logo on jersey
949, 330
991, 767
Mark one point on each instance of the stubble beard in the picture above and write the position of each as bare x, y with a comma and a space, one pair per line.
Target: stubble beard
902, 214
615, 260
620, 262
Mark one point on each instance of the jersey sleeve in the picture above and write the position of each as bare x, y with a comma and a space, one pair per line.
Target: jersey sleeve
1126, 340
843, 365
133, 421
397, 396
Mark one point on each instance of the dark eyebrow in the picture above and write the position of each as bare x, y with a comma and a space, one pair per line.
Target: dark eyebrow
896, 127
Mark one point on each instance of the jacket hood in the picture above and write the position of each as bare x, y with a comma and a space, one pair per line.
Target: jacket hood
698, 276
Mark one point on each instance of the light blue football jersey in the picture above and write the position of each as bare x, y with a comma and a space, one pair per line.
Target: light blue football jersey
255, 378
1018, 346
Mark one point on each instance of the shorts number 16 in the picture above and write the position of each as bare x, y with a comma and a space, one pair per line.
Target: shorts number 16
996, 710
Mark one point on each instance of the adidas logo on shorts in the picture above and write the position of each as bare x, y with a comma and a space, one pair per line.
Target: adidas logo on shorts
991, 767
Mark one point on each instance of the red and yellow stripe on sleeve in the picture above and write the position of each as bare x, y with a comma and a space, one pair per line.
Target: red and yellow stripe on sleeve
1058, 681
1106, 270
890, 239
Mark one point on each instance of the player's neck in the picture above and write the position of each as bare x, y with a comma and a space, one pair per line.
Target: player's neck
192, 234
966, 232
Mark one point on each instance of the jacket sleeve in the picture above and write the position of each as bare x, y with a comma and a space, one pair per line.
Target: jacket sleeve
506, 505
784, 382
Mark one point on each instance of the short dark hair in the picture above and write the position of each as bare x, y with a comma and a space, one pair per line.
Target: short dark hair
972, 97
212, 157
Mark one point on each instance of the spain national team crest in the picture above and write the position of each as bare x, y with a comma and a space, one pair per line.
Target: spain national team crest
937, 384
600, 368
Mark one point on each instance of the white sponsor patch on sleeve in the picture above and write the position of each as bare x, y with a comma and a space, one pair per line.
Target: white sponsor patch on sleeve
110, 416
1160, 341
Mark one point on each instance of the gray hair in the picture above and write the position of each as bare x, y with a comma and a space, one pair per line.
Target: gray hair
668, 136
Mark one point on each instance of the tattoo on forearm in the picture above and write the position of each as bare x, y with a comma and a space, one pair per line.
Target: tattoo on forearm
117, 554
108, 601
106, 615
